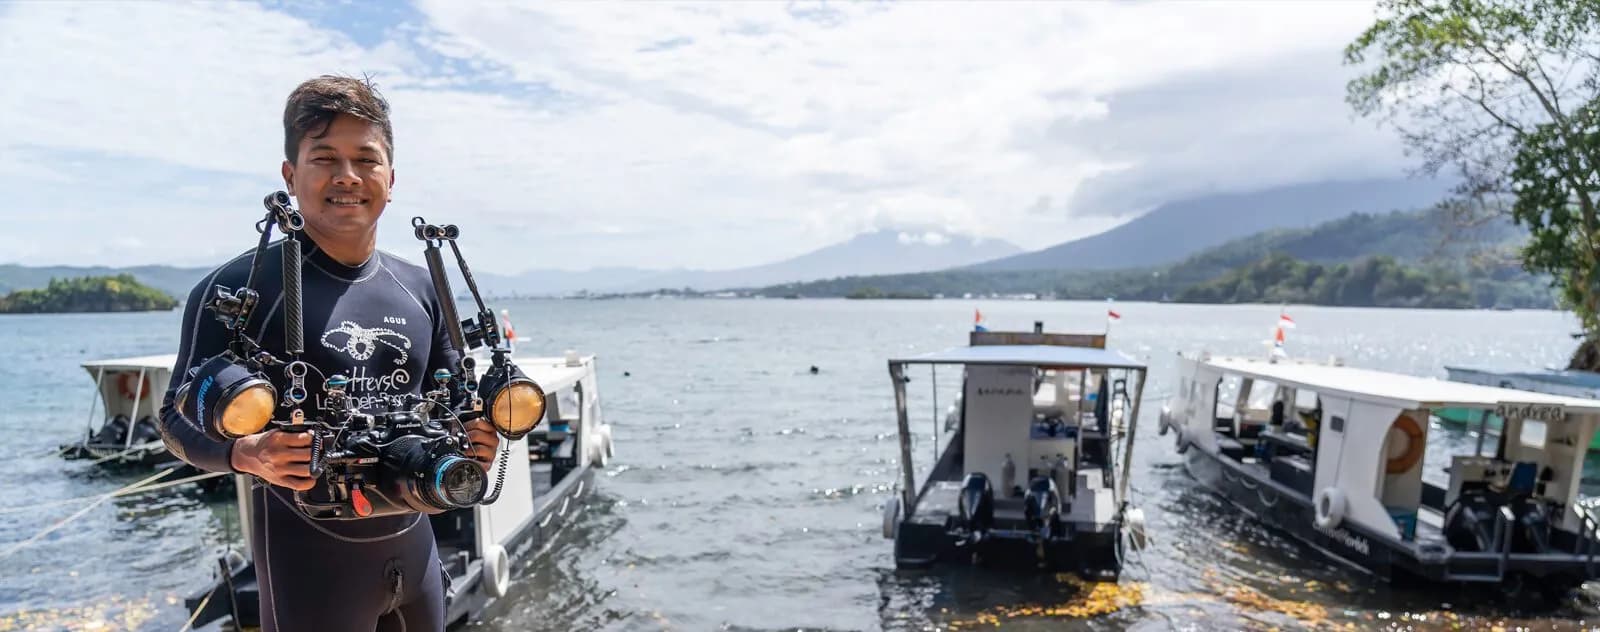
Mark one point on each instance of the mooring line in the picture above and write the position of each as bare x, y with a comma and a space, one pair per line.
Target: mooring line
78, 514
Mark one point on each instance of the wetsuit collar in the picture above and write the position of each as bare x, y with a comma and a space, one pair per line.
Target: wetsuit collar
316, 257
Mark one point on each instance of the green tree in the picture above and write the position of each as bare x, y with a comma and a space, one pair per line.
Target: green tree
120, 293
1504, 93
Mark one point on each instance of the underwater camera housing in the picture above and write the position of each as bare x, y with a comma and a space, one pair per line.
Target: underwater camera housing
410, 457
405, 459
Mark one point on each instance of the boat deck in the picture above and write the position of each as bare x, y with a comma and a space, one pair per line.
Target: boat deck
456, 553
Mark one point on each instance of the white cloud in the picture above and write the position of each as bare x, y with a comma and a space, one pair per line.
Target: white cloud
926, 239
710, 135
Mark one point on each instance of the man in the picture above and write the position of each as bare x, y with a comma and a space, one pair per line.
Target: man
367, 315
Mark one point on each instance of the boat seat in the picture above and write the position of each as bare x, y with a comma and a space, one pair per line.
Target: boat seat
1232, 448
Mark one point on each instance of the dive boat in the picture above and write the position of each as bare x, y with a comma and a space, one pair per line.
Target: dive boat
1584, 384
1035, 469
128, 392
549, 474
1335, 456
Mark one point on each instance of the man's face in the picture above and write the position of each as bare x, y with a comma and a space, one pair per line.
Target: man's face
341, 180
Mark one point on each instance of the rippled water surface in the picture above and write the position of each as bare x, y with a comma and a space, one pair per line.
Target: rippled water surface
746, 492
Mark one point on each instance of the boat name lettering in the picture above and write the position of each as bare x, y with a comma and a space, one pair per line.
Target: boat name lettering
1347, 538
1000, 391
1541, 412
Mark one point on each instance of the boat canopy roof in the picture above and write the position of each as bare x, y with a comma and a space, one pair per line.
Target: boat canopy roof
1580, 379
552, 374
152, 362
1405, 391
1028, 355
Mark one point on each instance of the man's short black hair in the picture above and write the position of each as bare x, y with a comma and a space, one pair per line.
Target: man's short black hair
313, 105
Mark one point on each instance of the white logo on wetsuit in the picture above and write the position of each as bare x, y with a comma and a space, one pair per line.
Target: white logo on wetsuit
361, 342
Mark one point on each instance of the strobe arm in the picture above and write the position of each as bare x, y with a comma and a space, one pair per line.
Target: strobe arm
464, 334
233, 307
486, 321
441, 290
431, 236
290, 221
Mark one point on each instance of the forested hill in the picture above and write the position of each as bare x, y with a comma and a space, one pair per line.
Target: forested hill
120, 293
1426, 244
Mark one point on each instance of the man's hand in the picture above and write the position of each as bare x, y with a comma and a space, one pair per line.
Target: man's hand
484, 441
278, 457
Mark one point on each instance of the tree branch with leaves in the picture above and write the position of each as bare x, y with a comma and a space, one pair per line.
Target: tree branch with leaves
1506, 94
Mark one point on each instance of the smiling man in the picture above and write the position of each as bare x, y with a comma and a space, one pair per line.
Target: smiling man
367, 315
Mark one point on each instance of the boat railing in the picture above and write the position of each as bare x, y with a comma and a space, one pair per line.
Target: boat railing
1589, 536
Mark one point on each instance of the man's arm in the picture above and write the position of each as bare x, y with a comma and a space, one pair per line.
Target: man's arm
202, 337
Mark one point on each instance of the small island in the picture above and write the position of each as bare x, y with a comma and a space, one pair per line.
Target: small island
120, 293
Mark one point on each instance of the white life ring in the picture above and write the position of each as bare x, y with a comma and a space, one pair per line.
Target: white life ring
496, 570
1137, 536
891, 518
1330, 506
603, 450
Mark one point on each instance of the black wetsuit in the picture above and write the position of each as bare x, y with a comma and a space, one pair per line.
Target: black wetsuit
381, 325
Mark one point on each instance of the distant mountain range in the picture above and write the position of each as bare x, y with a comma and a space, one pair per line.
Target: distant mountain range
1165, 235
878, 252
1178, 229
1430, 245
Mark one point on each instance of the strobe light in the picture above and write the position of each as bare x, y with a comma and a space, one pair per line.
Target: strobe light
226, 399
515, 403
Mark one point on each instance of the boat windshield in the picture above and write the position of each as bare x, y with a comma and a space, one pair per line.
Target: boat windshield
1262, 393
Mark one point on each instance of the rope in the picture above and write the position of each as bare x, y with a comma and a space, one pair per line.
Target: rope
197, 610
117, 455
63, 522
126, 491
1139, 557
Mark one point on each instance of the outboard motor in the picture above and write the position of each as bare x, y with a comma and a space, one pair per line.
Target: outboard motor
977, 506
1469, 523
114, 431
1042, 507
1532, 532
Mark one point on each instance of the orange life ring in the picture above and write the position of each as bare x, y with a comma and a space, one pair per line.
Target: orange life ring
1415, 445
125, 385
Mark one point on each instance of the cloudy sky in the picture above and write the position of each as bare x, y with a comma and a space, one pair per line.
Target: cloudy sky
578, 135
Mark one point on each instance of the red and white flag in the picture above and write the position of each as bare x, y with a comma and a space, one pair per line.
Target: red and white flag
1285, 321
1112, 315
511, 334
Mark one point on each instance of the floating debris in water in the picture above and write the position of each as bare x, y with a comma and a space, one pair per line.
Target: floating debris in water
1093, 600
115, 613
